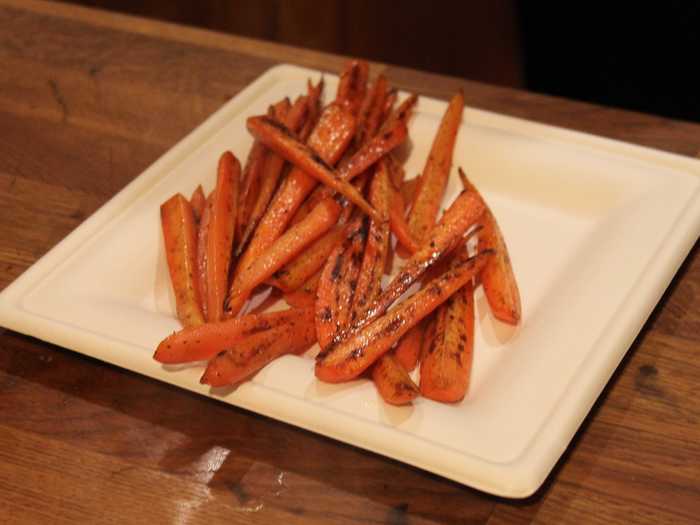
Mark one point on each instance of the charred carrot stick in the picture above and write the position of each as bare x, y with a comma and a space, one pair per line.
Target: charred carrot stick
198, 202
393, 382
361, 161
429, 332
179, 232
498, 278
408, 190
401, 114
279, 139
272, 169
201, 261
337, 284
295, 273
389, 103
409, 348
197, 343
305, 296
257, 351
432, 182
284, 249
346, 360
371, 111
445, 369
329, 140
314, 104
457, 219
353, 84
250, 184
369, 281
399, 227
220, 236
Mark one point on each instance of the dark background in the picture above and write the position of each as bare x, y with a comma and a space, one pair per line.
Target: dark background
633, 55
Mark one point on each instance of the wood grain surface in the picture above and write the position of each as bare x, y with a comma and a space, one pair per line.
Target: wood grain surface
90, 99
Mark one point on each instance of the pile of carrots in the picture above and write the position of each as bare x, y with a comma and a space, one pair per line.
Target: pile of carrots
312, 214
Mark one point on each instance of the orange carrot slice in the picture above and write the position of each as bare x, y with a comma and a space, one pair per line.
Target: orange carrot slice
220, 233
348, 359
409, 348
498, 278
329, 140
446, 367
198, 202
179, 232
279, 139
393, 382
255, 352
201, 261
202, 342
288, 246
432, 182
353, 85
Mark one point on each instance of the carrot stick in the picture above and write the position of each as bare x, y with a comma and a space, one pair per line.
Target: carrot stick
455, 222
201, 260
179, 232
346, 360
198, 201
371, 111
369, 281
408, 190
272, 170
257, 351
305, 296
389, 103
197, 343
288, 246
361, 161
428, 341
314, 105
444, 372
353, 85
431, 185
250, 185
399, 227
393, 382
295, 273
337, 284
221, 232
329, 139
279, 139
498, 278
409, 348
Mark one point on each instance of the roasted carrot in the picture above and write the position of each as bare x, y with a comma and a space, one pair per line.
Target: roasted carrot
409, 348
371, 112
498, 278
197, 343
429, 327
304, 296
445, 369
393, 382
455, 222
361, 161
346, 360
220, 236
272, 169
337, 284
279, 139
255, 352
353, 85
408, 190
401, 114
432, 182
179, 232
399, 227
389, 103
369, 281
329, 140
249, 186
198, 202
314, 109
284, 249
295, 273
201, 261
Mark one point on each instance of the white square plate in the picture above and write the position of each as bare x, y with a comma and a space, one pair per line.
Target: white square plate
596, 229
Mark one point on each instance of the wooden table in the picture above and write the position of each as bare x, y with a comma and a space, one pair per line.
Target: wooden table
90, 99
